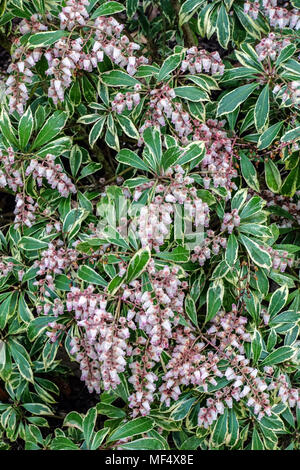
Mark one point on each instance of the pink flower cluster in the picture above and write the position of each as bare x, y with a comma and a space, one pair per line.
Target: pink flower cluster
102, 350
118, 48
9, 176
200, 60
74, 14
290, 91
202, 253
286, 393
155, 311
162, 107
182, 122
63, 60
153, 223
20, 75
230, 221
227, 336
161, 103
280, 259
55, 331
186, 366
270, 47
24, 211
218, 161
33, 25
278, 16
143, 380
5, 267
127, 100
55, 260
67, 55
53, 173
286, 203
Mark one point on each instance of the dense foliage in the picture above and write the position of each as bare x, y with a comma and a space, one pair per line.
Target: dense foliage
150, 168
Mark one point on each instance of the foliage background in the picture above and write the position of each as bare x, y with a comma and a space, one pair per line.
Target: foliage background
103, 153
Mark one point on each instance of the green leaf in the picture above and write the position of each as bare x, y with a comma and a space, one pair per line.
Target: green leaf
256, 346
193, 153
24, 313
118, 78
252, 208
56, 147
231, 250
249, 172
278, 301
234, 98
138, 264
52, 127
131, 428
131, 7
268, 136
259, 231
5, 310
220, 429
239, 199
90, 169
233, 428
290, 184
214, 300
21, 358
89, 425
223, 27
188, 8
190, 309
73, 420
282, 354
72, 222
285, 53
182, 409
178, 255
190, 93
272, 174
37, 326
25, 128
98, 438
32, 244
252, 305
110, 410
128, 157
87, 274
220, 270
127, 126
258, 255
292, 135
7, 129
170, 157
63, 443
75, 159
170, 64
261, 110
145, 443
256, 443
96, 131
152, 139
107, 9
46, 38
237, 73
37, 408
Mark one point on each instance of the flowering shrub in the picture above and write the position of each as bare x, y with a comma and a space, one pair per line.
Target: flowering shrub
149, 160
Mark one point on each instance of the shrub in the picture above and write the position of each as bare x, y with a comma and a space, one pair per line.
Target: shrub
150, 168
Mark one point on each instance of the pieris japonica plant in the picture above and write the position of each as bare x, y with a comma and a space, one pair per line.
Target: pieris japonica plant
149, 242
